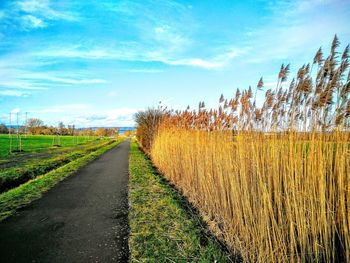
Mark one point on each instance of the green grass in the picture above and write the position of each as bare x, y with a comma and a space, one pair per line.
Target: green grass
34, 143
16, 175
162, 226
18, 197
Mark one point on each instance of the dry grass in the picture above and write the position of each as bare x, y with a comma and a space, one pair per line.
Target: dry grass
274, 178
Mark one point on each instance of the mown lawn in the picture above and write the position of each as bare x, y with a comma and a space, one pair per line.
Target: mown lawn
33, 143
162, 227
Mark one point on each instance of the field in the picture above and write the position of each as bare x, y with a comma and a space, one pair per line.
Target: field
13, 174
43, 179
35, 143
39, 157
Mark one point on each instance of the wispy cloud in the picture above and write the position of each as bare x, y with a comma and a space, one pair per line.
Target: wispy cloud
33, 14
15, 110
13, 93
46, 77
43, 8
21, 83
140, 54
64, 108
145, 70
30, 21
216, 62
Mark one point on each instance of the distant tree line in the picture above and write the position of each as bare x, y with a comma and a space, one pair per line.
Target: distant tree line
36, 126
3, 129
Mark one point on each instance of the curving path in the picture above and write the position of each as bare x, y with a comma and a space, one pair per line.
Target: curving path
82, 219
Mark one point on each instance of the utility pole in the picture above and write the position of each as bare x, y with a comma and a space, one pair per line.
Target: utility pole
26, 125
19, 143
75, 138
59, 135
10, 136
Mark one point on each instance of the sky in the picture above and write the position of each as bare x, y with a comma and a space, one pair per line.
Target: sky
97, 62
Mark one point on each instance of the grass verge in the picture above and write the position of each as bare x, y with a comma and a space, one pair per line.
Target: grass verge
18, 197
162, 226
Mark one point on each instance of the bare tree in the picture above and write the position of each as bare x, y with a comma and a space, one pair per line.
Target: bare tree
34, 125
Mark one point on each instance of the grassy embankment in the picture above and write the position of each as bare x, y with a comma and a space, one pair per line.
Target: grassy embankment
18, 197
163, 227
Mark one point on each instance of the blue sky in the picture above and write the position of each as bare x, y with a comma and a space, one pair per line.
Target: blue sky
95, 63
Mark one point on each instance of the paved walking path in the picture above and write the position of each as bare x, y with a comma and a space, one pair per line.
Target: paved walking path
82, 219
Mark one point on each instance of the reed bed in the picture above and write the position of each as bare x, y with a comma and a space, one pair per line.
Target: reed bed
273, 179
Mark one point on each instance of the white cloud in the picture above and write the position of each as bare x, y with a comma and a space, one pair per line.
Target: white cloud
65, 108
31, 6
13, 93
12, 78
112, 93
168, 36
216, 62
21, 85
30, 21
138, 54
43, 8
16, 110
195, 62
74, 52
44, 77
33, 14
146, 70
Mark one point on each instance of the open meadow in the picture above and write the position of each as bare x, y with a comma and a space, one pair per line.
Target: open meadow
37, 143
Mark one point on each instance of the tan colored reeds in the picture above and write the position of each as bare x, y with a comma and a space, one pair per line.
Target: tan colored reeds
274, 178
276, 199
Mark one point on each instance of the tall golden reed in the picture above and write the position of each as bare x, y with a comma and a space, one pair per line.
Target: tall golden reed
274, 199
274, 179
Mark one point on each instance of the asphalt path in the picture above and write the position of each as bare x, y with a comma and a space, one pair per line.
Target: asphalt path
82, 219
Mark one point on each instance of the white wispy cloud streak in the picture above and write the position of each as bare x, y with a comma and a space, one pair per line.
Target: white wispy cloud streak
33, 14
43, 8
13, 93
47, 77
138, 54
20, 82
32, 21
